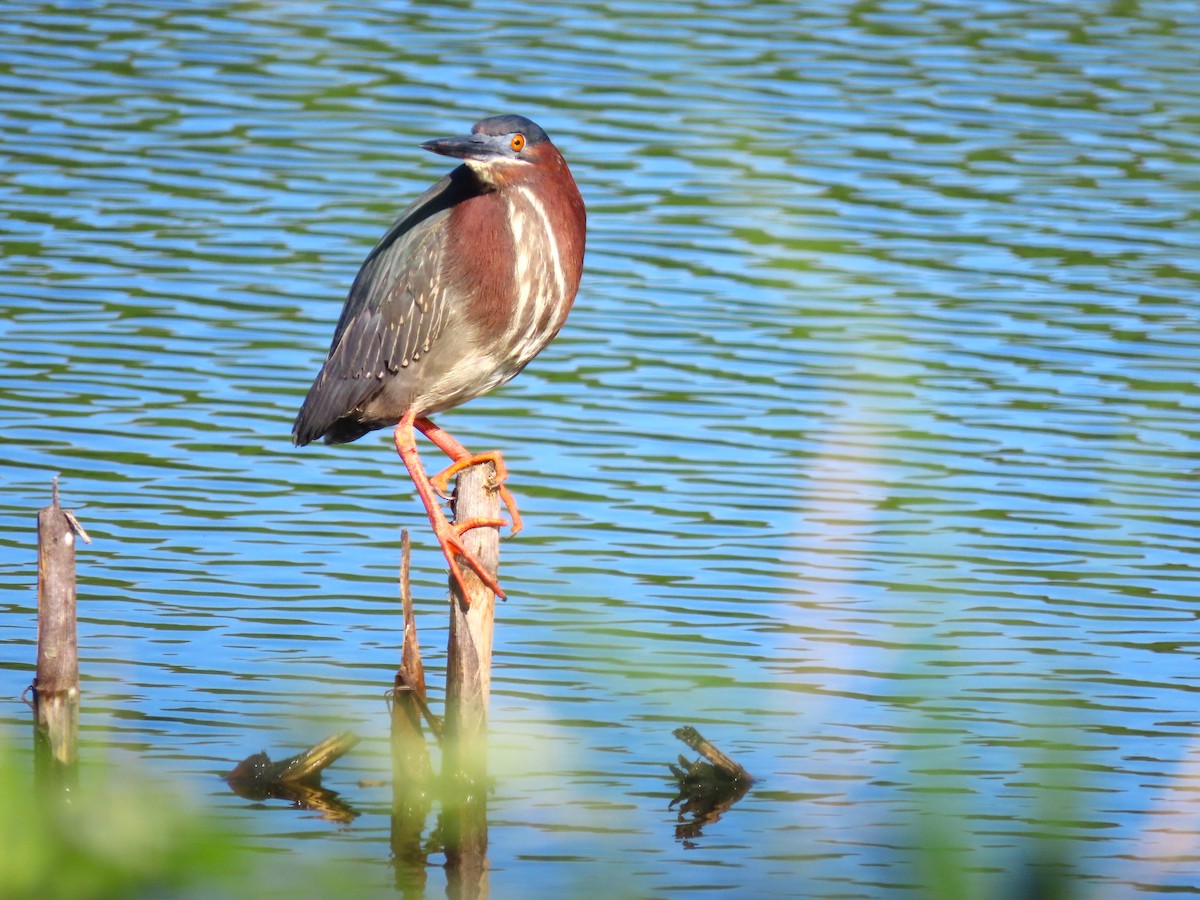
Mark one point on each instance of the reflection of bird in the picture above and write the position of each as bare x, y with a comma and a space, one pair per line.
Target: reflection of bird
467, 287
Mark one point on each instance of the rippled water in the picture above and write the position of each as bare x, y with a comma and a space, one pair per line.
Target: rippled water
869, 449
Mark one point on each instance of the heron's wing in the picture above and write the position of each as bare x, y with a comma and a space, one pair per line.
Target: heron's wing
393, 314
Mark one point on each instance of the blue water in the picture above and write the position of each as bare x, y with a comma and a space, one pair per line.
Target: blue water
868, 449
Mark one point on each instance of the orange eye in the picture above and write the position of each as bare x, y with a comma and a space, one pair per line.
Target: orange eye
517, 143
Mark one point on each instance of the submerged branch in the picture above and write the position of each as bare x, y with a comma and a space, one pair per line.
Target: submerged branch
706, 789
296, 779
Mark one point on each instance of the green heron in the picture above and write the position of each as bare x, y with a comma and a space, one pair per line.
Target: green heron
468, 286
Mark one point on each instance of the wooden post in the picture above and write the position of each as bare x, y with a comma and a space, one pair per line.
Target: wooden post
412, 771
56, 684
469, 667
468, 687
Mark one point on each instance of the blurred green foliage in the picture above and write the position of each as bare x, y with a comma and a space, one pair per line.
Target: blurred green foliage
102, 833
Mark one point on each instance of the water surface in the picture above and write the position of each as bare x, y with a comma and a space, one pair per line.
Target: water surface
868, 449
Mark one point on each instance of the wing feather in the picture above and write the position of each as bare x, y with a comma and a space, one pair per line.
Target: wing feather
393, 314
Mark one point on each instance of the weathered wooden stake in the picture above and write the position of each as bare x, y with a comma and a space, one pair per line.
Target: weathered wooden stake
56, 684
463, 732
412, 771
58, 655
468, 687
412, 671
469, 667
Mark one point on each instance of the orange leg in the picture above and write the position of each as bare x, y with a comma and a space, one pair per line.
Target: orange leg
464, 458
449, 536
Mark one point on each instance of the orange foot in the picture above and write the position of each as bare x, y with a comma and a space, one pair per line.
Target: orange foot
450, 538
441, 481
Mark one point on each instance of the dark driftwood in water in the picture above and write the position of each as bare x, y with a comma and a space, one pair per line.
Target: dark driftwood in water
56, 684
468, 687
722, 763
706, 789
296, 779
258, 770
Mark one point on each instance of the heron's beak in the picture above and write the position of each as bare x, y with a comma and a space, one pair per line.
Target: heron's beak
472, 146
